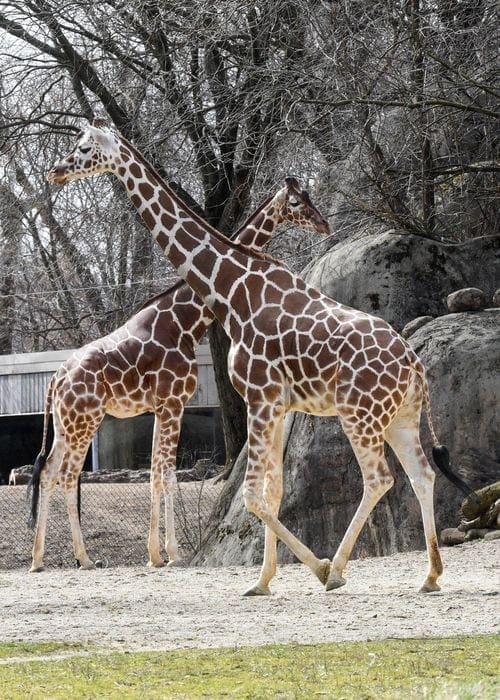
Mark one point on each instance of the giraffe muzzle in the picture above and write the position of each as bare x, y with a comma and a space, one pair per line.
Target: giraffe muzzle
58, 174
324, 227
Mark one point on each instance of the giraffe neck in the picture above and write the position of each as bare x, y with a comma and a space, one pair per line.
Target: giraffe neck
259, 228
255, 232
203, 257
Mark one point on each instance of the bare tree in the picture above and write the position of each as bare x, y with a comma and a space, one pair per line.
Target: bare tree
390, 108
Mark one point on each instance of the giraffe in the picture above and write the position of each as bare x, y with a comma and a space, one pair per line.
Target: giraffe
146, 365
292, 349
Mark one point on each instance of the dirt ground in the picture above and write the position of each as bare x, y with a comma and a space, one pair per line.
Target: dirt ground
139, 608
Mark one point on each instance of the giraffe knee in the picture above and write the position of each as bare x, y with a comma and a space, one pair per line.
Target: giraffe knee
252, 502
170, 480
381, 480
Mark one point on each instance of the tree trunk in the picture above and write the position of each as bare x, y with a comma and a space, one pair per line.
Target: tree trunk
10, 237
234, 419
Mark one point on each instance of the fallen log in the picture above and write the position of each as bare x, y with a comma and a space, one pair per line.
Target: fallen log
480, 501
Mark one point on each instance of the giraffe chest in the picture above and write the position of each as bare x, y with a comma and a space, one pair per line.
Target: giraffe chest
276, 370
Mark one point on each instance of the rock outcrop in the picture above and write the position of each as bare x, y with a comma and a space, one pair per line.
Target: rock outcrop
402, 277
398, 278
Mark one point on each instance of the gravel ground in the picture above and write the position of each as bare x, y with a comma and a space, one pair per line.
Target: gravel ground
139, 608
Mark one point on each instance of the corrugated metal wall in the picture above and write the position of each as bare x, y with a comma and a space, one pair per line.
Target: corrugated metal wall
24, 392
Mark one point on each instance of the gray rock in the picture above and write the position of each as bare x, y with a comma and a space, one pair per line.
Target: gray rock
117, 476
468, 299
20, 475
476, 534
496, 298
492, 535
403, 277
414, 325
451, 536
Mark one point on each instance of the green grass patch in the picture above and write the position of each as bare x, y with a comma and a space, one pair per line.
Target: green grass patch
458, 668
9, 650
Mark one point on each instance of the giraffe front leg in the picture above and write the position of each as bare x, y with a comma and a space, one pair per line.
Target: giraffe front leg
155, 558
70, 472
163, 477
261, 435
171, 545
273, 492
377, 479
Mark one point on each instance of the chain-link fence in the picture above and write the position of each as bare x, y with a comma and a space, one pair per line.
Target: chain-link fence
115, 523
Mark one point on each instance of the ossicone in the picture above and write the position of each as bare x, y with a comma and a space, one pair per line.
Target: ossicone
292, 183
101, 123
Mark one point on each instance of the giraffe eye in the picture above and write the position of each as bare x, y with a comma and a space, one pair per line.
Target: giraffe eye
294, 204
84, 149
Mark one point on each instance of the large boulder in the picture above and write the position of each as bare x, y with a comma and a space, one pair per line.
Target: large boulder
404, 277
401, 277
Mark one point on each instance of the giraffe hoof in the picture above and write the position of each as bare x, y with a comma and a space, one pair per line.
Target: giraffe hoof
176, 563
157, 564
430, 587
335, 582
36, 569
88, 566
257, 590
323, 570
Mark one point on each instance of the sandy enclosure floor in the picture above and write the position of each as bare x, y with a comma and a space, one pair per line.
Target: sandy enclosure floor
139, 608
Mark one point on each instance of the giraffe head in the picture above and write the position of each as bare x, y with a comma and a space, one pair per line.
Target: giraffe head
97, 150
295, 205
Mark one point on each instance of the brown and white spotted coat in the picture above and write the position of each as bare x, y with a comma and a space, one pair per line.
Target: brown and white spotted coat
146, 365
292, 349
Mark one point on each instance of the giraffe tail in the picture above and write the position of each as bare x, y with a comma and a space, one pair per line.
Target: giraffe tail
34, 483
440, 453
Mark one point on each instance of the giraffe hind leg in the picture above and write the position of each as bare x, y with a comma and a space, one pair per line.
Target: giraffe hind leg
403, 437
377, 480
47, 484
69, 479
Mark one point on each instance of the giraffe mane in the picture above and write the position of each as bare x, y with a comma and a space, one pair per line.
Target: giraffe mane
249, 218
246, 250
177, 285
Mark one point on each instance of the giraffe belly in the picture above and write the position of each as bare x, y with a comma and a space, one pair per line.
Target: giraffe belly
125, 408
307, 399
314, 408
